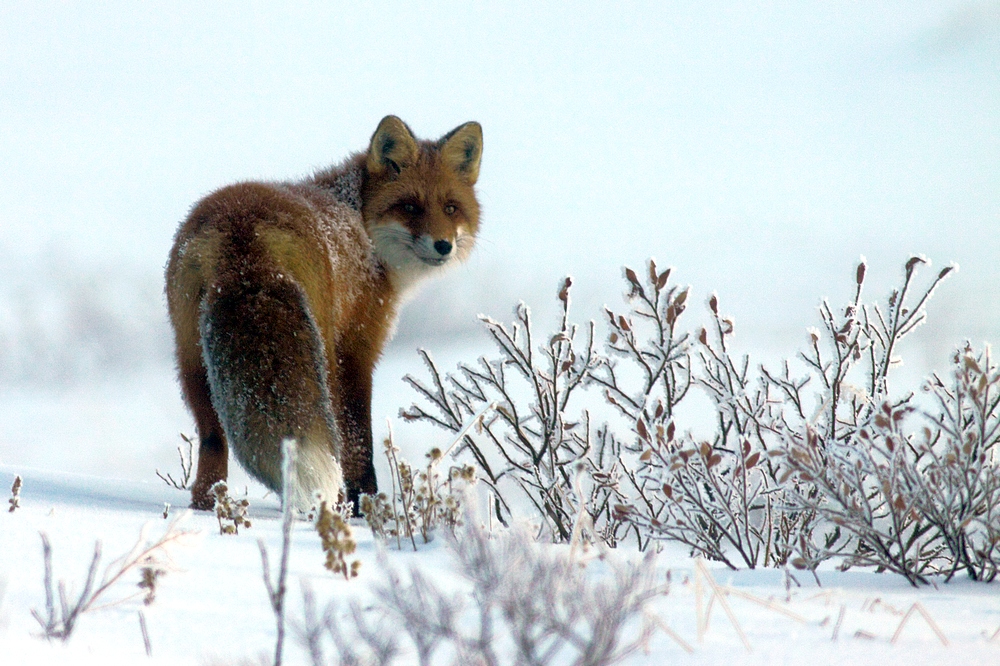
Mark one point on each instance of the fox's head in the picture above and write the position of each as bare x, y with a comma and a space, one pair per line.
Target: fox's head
418, 198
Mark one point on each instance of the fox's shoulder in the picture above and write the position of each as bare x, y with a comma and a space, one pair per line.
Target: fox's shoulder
343, 182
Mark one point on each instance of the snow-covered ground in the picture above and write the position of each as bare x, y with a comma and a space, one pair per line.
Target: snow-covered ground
212, 608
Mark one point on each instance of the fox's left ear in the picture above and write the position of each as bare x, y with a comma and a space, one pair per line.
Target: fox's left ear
462, 149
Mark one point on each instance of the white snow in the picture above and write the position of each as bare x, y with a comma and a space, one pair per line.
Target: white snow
212, 607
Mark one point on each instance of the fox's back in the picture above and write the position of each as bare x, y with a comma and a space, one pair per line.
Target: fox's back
251, 230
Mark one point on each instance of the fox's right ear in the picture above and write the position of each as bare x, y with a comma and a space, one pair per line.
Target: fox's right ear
393, 147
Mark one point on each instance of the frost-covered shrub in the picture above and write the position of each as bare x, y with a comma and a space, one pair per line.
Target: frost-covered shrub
721, 497
530, 442
923, 502
536, 442
814, 460
652, 483
956, 482
840, 453
59, 621
520, 604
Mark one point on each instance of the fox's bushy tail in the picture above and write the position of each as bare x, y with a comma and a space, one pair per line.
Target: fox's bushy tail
267, 372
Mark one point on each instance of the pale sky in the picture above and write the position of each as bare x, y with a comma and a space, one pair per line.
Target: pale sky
760, 150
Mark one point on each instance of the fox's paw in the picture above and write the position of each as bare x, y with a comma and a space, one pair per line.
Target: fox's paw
203, 501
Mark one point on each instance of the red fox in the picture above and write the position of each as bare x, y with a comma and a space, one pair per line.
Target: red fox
283, 295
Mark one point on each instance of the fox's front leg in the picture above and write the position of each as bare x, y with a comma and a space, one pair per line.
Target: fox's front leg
355, 384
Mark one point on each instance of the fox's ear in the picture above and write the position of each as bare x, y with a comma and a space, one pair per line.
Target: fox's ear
392, 147
462, 149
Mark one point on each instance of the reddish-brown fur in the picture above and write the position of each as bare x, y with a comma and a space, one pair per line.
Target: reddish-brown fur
282, 296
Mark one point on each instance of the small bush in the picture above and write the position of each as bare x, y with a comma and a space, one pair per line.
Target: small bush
150, 557
812, 461
187, 465
531, 443
421, 499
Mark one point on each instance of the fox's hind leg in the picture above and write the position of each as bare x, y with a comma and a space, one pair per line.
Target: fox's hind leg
184, 296
213, 453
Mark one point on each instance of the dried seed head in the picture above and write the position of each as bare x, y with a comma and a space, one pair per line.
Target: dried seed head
564, 291
911, 264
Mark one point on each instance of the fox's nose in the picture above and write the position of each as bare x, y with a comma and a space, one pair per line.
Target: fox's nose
443, 247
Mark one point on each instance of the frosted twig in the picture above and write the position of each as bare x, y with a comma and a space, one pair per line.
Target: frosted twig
465, 429
670, 632
145, 634
276, 594
708, 611
919, 608
310, 634
700, 620
390, 452
719, 594
840, 621
142, 554
187, 463
766, 603
583, 519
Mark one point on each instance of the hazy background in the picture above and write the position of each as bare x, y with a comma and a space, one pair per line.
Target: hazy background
759, 150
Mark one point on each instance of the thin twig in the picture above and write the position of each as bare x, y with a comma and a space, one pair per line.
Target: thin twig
766, 603
473, 421
720, 595
145, 634
670, 632
276, 593
917, 607
840, 621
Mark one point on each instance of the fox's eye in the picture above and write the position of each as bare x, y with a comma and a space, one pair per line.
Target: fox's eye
450, 209
409, 208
